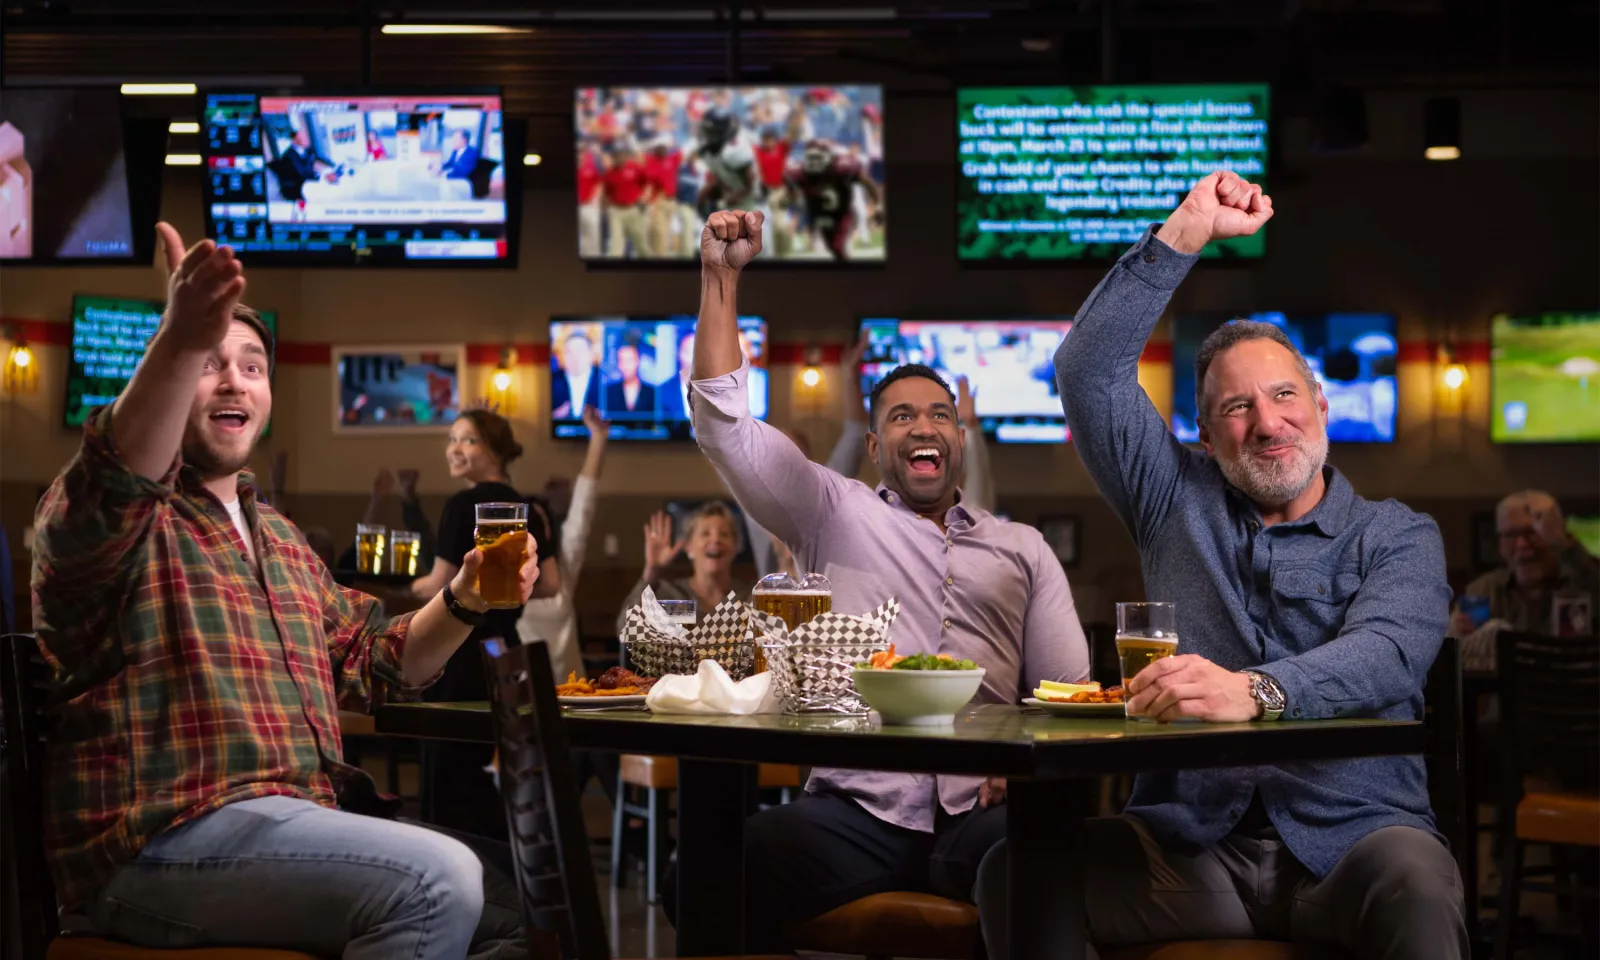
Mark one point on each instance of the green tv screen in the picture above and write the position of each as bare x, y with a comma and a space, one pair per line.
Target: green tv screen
1544, 378
109, 335
1078, 173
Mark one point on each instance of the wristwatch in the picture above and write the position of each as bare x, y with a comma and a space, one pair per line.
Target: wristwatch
461, 611
1268, 693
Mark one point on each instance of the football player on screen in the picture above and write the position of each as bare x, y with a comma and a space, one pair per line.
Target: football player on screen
825, 177
732, 177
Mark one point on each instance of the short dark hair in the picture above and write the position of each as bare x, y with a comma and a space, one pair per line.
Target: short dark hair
905, 372
1230, 335
252, 319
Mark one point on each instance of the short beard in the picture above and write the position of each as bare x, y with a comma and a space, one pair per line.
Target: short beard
1274, 484
213, 464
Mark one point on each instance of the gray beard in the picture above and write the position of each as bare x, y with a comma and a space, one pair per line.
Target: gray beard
1275, 484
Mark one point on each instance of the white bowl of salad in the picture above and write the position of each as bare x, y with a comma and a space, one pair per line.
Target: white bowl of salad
926, 689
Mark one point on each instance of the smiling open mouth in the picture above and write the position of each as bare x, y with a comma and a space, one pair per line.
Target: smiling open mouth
230, 418
925, 460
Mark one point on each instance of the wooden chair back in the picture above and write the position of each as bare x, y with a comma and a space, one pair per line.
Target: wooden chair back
23, 676
1550, 710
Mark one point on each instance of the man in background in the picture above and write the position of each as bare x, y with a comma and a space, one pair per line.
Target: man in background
625, 185
575, 387
463, 159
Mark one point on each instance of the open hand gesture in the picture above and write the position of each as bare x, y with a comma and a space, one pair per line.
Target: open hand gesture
1221, 206
966, 404
731, 239
203, 286
408, 483
659, 548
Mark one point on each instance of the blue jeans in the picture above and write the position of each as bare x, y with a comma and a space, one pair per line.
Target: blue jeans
288, 873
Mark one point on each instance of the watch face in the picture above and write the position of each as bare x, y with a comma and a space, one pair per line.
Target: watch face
1267, 692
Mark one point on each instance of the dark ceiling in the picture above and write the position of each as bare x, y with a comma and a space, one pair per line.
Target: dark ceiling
928, 47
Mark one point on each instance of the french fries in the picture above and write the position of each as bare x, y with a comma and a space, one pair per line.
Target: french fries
586, 688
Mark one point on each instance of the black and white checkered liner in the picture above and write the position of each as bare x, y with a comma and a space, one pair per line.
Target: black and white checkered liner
813, 667
722, 635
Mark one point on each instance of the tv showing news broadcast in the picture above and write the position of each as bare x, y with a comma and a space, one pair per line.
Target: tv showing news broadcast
1353, 356
109, 336
635, 371
339, 180
1009, 365
1066, 173
396, 389
64, 176
1544, 378
655, 162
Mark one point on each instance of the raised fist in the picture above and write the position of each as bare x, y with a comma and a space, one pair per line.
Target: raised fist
1222, 205
731, 239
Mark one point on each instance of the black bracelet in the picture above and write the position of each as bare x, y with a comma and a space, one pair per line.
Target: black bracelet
460, 611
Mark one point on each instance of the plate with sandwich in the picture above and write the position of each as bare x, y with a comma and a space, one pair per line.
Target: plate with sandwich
1077, 699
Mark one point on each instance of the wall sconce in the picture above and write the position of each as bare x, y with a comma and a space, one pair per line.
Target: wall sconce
502, 380
811, 375
1452, 372
22, 366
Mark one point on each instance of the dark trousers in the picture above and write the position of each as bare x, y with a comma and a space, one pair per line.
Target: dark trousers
805, 858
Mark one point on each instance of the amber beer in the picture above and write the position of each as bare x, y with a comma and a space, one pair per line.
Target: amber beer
404, 545
370, 543
795, 607
1136, 653
1146, 632
502, 535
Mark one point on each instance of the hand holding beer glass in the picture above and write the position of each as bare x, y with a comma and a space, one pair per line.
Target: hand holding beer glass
1146, 632
501, 535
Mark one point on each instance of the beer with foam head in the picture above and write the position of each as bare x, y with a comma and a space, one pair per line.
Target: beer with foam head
794, 600
502, 535
404, 547
1146, 632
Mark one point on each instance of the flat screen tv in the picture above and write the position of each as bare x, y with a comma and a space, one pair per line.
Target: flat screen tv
392, 388
66, 158
1069, 173
1007, 362
1352, 355
635, 371
654, 162
410, 178
109, 336
1544, 378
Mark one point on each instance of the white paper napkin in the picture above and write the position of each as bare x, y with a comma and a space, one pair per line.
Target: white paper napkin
711, 692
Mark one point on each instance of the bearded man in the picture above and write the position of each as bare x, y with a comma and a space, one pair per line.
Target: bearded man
1296, 598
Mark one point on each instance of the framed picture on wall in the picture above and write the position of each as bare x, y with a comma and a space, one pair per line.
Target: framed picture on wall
397, 388
1061, 533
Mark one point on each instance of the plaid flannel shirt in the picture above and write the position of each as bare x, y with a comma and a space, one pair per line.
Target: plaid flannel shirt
183, 679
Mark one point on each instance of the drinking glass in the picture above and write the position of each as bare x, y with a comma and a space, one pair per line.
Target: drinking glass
404, 546
1146, 632
680, 612
502, 535
370, 544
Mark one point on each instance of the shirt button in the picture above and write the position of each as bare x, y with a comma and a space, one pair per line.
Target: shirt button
948, 581
947, 543
1149, 258
1321, 589
947, 624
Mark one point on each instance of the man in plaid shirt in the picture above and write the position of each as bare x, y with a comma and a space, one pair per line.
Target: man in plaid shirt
200, 652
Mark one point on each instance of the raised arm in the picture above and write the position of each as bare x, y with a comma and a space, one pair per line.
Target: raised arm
1125, 444
851, 447
580, 514
769, 476
977, 482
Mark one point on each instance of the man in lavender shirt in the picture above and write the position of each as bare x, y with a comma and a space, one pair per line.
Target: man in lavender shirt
969, 585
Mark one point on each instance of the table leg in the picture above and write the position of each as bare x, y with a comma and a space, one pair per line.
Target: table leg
713, 799
1045, 914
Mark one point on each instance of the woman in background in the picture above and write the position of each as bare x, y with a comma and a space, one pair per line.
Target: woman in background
711, 540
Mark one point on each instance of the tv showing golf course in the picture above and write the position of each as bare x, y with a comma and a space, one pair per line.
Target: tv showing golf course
1544, 377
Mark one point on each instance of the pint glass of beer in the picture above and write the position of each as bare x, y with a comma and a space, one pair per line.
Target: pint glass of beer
796, 600
370, 545
502, 535
1146, 632
403, 548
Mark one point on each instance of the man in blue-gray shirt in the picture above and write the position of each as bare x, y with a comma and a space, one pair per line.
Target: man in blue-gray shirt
1295, 598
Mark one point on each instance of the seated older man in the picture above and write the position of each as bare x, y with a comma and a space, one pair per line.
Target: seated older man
1296, 598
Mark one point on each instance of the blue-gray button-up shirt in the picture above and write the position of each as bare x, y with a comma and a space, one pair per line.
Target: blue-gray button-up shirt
1346, 607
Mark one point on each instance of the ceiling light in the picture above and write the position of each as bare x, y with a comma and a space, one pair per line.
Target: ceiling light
183, 159
532, 160
435, 29
158, 89
183, 126
1442, 153
1441, 128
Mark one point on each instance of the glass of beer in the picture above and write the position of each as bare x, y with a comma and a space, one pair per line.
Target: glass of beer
403, 548
370, 545
1146, 632
794, 600
502, 535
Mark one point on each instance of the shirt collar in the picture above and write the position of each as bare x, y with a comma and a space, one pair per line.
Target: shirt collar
960, 513
190, 483
1328, 516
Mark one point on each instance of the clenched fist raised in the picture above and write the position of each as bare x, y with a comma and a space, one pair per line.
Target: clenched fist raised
731, 239
1220, 206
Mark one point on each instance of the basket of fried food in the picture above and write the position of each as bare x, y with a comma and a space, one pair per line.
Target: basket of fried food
1077, 698
618, 682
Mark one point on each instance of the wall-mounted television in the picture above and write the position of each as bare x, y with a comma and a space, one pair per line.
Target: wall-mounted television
409, 178
654, 162
66, 158
635, 370
393, 389
1544, 378
109, 336
1352, 355
1009, 364
1066, 173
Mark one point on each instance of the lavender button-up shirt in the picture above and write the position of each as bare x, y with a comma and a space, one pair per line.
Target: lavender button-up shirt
984, 589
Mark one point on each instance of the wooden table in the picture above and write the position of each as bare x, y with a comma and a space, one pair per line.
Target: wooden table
1051, 762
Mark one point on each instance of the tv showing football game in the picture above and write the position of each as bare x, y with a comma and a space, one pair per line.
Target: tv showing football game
1068, 173
64, 170
109, 336
1544, 378
1353, 356
635, 371
303, 178
397, 389
654, 162
1008, 365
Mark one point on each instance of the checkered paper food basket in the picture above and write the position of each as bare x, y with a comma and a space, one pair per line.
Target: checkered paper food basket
723, 635
813, 666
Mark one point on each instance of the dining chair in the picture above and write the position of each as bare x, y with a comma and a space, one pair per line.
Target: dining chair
549, 848
1550, 773
23, 678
